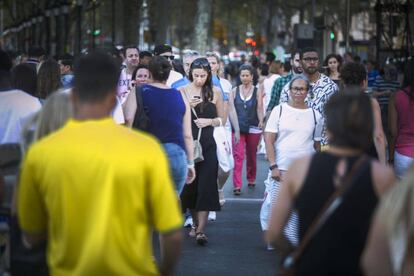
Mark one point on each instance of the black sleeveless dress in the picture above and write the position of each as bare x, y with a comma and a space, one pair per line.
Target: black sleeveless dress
202, 194
337, 247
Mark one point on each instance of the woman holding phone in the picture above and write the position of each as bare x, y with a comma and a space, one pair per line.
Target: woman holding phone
206, 102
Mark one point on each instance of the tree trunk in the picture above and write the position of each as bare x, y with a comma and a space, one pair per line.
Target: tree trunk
202, 25
131, 21
163, 21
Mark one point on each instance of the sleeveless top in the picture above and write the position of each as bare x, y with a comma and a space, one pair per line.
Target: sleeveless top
246, 110
165, 109
337, 246
204, 110
405, 109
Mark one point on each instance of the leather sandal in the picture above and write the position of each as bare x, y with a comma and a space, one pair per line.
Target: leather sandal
201, 238
251, 185
192, 232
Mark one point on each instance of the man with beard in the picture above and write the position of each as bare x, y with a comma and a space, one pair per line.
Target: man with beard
321, 86
282, 81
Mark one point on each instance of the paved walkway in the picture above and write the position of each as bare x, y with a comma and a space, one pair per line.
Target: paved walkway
236, 243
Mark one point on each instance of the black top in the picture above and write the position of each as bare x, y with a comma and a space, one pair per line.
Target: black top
336, 248
246, 110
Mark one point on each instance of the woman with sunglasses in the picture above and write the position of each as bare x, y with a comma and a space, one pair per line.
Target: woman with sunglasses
249, 108
201, 196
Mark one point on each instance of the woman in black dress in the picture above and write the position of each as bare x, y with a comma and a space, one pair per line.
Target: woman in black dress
336, 246
201, 196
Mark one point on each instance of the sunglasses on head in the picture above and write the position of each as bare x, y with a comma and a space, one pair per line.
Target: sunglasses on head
201, 62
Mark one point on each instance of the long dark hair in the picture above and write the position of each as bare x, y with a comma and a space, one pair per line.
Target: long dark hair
48, 78
207, 90
408, 83
328, 57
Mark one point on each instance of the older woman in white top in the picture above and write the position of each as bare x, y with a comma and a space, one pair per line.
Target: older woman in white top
293, 130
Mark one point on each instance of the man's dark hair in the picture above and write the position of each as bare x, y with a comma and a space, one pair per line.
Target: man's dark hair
287, 67
159, 68
270, 56
143, 54
307, 50
67, 60
129, 47
95, 76
24, 78
349, 119
36, 52
353, 73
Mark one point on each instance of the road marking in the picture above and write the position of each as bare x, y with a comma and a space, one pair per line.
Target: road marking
245, 199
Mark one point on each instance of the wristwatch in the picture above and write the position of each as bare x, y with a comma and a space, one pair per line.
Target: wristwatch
272, 167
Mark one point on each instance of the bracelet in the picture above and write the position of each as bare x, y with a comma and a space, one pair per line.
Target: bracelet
272, 167
190, 166
190, 162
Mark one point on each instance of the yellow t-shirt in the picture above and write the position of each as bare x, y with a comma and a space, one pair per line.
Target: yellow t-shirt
98, 190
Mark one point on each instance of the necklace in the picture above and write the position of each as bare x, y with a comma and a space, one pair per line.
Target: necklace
245, 95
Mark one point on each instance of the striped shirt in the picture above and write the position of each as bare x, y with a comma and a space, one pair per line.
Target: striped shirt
277, 89
318, 95
382, 85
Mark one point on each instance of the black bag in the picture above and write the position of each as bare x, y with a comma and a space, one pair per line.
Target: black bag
141, 120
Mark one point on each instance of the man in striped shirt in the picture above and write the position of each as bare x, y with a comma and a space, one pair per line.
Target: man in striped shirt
383, 87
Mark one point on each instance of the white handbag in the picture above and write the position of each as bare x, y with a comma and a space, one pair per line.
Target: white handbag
224, 149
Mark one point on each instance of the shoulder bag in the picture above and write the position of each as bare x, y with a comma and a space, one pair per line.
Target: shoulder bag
289, 264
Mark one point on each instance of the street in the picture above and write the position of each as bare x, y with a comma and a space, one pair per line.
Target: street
235, 239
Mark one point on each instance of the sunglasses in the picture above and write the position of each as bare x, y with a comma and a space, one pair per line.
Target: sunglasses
169, 57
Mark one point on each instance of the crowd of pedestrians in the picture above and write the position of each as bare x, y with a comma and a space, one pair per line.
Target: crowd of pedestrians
114, 152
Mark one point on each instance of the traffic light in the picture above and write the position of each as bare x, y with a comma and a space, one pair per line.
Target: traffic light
96, 32
250, 41
332, 35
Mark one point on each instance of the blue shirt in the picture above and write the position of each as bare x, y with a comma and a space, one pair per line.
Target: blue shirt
372, 75
216, 82
165, 109
67, 80
180, 82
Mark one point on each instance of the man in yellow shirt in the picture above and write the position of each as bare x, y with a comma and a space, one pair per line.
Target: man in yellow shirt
95, 190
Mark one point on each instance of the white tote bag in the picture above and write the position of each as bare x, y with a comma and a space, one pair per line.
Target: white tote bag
224, 150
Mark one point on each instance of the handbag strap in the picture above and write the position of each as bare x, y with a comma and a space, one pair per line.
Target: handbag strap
195, 114
330, 206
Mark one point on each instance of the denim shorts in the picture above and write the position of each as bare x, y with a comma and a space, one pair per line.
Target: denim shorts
178, 164
402, 164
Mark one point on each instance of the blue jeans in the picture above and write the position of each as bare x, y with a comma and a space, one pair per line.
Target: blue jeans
178, 164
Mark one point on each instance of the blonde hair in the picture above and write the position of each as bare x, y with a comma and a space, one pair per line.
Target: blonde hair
56, 110
397, 209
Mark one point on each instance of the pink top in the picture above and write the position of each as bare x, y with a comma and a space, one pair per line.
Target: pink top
405, 110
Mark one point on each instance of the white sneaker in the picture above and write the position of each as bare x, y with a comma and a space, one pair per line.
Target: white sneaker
212, 216
188, 222
269, 247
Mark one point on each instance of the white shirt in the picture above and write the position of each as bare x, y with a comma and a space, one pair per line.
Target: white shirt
123, 85
16, 107
267, 89
294, 128
173, 77
118, 113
